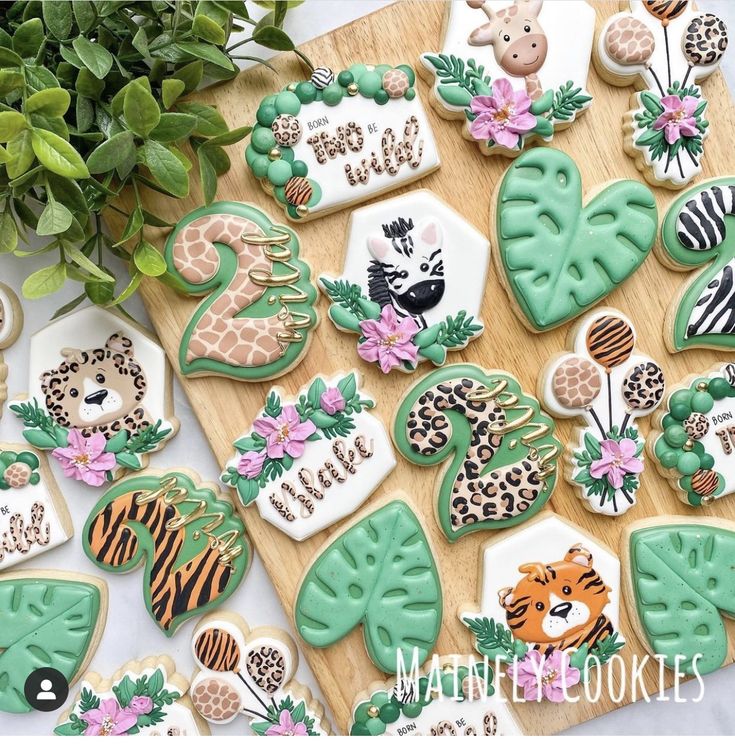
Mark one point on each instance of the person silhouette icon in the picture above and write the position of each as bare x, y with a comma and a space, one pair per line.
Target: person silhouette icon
46, 689
46, 694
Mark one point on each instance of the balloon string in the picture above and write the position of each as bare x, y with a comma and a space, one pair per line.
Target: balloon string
626, 495
626, 419
668, 58
598, 423
609, 400
247, 685
686, 77
658, 82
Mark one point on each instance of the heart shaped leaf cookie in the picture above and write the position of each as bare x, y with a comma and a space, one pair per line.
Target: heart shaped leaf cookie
559, 257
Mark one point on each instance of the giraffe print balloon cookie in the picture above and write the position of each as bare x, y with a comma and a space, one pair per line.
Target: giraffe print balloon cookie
11, 323
511, 70
412, 282
257, 317
664, 48
604, 381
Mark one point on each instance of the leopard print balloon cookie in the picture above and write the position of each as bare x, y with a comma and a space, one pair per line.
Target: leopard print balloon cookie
99, 395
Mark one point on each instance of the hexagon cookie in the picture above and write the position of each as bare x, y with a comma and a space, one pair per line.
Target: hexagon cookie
98, 396
412, 282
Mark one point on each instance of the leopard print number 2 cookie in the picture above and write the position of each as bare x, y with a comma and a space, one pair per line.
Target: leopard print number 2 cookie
99, 395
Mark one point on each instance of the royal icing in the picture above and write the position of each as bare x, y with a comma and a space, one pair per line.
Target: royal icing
680, 583
503, 452
694, 233
99, 395
334, 140
412, 283
49, 619
257, 317
558, 256
190, 539
33, 514
550, 599
452, 696
608, 385
142, 698
11, 323
250, 672
380, 573
664, 49
309, 461
530, 83
694, 437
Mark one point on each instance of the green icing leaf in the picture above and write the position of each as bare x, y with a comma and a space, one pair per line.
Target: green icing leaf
559, 256
45, 623
683, 578
380, 573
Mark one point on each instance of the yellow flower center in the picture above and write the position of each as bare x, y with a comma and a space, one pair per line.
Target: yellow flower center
107, 726
81, 460
504, 114
283, 433
390, 341
678, 115
549, 677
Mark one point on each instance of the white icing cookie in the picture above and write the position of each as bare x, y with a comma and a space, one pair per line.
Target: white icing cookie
605, 382
11, 324
33, 514
313, 459
512, 70
663, 48
99, 395
249, 672
414, 270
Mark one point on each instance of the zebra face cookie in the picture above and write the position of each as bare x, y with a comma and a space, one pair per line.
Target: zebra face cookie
412, 283
190, 540
511, 70
663, 48
550, 597
604, 381
499, 447
250, 672
11, 323
338, 139
699, 231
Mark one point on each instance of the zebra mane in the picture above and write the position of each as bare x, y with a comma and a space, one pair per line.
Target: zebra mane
378, 289
398, 228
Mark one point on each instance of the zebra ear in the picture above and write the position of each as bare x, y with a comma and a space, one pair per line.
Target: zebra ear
378, 247
431, 234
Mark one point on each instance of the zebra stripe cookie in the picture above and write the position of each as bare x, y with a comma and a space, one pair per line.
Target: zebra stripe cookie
699, 231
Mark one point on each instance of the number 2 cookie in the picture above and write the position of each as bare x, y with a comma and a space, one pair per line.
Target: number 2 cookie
11, 323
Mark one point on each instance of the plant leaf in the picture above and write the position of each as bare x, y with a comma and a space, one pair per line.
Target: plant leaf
206, 52
149, 260
28, 38
173, 126
209, 121
94, 56
57, 15
171, 89
208, 29
110, 154
57, 154
8, 233
379, 573
44, 282
54, 219
208, 176
167, 170
50, 102
141, 111
11, 123
273, 38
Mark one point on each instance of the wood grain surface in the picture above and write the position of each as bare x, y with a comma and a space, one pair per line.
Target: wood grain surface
466, 180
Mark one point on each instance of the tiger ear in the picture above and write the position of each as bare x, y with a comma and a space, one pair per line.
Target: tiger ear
431, 233
378, 247
120, 343
578, 554
505, 596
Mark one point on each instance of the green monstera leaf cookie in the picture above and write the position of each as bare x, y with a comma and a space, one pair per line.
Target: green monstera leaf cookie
558, 256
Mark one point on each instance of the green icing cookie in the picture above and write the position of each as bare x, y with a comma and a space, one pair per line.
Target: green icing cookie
503, 452
45, 621
380, 573
682, 580
560, 257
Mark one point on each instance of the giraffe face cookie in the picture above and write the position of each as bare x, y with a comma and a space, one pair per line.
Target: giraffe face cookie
412, 283
312, 460
11, 323
99, 396
257, 318
250, 672
609, 385
33, 514
146, 697
664, 49
550, 598
693, 437
334, 140
499, 447
511, 70
190, 540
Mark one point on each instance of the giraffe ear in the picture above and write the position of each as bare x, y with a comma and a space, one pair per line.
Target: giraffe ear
482, 35
431, 234
378, 247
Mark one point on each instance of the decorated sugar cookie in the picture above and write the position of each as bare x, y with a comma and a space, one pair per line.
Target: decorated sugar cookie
33, 514
550, 601
11, 323
453, 696
693, 438
499, 447
695, 233
308, 462
412, 284
340, 138
663, 48
250, 672
679, 586
511, 70
605, 382
257, 318
558, 255
144, 697
49, 619
379, 572
190, 540
99, 396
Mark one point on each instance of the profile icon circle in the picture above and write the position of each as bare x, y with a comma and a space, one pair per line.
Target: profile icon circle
46, 689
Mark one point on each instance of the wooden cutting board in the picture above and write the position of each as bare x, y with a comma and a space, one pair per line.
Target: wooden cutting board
466, 181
